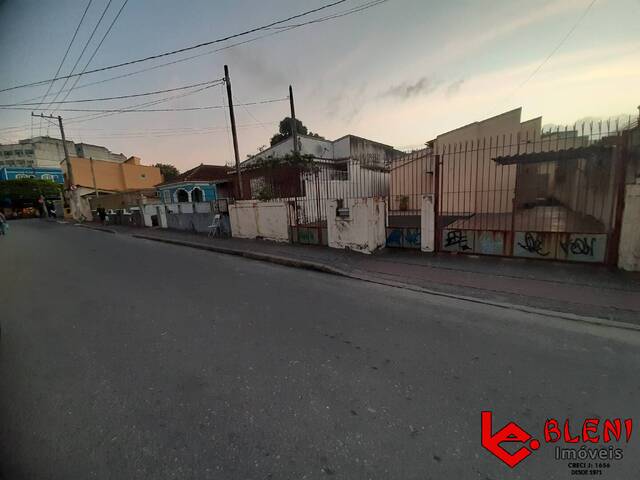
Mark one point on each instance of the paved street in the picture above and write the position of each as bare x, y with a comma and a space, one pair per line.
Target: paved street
122, 358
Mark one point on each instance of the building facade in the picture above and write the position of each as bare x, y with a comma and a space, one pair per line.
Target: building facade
90, 175
49, 152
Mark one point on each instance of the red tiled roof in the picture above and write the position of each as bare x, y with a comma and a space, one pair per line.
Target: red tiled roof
202, 173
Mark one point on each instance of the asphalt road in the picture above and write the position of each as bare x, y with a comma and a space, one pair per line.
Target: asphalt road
127, 359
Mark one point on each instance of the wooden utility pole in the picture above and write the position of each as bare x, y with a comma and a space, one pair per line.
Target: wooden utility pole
227, 80
67, 160
294, 127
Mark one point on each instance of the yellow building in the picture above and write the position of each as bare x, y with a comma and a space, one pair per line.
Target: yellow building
90, 175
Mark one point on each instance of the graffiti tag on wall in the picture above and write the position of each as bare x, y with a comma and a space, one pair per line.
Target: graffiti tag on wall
403, 237
534, 244
458, 240
583, 247
560, 246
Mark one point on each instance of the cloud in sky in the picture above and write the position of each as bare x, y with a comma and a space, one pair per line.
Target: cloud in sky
564, 91
405, 90
454, 87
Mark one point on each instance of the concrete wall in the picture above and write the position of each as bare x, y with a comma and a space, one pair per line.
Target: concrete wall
427, 224
253, 219
629, 253
364, 228
354, 182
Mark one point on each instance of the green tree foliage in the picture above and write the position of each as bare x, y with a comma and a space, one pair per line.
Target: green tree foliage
28, 189
285, 130
169, 172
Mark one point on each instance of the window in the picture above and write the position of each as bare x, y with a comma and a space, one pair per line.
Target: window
166, 195
197, 195
21, 175
46, 176
28, 152
143, 175
182, 196
18, 153
8, 153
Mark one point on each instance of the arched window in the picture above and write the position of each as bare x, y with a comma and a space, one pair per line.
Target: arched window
46, 176
196, 195
182, 196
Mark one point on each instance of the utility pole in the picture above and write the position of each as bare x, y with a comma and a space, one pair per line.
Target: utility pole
67, 160
227, 80
294, 127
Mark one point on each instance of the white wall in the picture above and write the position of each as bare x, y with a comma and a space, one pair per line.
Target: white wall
267, 220
629, 253
363, 230
427, 224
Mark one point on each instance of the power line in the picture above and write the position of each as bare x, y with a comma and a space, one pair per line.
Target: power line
180, 50
86, 45
67, 52
210, 82
113, 22
556, 48
282, 29
171, 133
365, 6
130, 74
127, 110
94, 116
244, 107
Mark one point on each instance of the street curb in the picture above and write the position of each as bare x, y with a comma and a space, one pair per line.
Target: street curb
91, 227
320, 267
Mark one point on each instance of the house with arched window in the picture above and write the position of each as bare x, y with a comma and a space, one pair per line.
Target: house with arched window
204, 183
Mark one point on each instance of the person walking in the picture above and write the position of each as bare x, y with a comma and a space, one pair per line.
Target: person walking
102, 213
4, 226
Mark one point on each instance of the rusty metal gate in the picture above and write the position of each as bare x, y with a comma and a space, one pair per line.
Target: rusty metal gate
550, 196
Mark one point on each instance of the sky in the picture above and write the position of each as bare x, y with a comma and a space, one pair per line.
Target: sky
400, 72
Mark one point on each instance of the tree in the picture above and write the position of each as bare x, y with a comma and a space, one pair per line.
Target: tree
27, 190
285, 130
169, 172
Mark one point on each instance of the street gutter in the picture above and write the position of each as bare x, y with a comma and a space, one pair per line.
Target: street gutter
320, 267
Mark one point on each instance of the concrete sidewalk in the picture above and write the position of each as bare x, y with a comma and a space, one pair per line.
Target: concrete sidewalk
572, 289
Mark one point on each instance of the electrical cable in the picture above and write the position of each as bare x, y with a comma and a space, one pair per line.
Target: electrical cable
86, 45
132, 110
106, 34
120, 97
67, 52
180, 50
